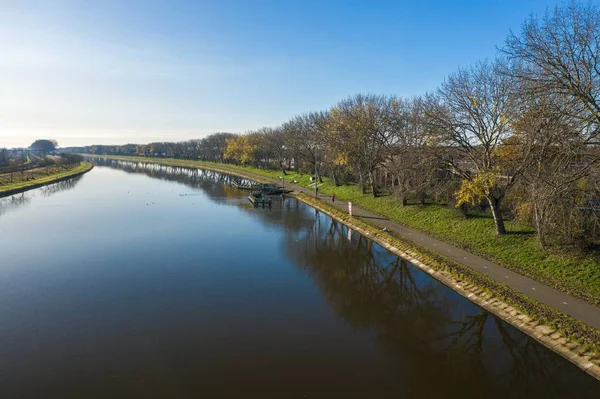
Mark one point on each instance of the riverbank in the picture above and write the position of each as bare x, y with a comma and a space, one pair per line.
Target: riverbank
23, 186
215, 264
518, 250
575, 341
539, 317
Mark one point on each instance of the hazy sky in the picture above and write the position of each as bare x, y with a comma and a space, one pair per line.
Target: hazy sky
115, 72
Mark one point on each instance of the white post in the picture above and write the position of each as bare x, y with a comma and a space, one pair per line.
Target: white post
350, 208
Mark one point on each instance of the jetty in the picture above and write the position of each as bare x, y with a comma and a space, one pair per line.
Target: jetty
258, 199
247, 187
266, 189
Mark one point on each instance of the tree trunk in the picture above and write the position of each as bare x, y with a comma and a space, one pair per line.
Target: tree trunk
495, 207
402, 190
464, 210
334, 177
317, 175
403, 199
539, 225
361, 183
373, 184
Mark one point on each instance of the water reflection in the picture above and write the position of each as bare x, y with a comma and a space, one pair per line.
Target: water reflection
218, 186
9, 204
421, 322
434, 342
217, 183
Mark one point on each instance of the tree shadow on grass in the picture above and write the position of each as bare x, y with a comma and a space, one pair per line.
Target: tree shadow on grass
478, 216
521, 233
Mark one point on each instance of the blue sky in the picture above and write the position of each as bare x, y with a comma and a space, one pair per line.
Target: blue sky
114, 72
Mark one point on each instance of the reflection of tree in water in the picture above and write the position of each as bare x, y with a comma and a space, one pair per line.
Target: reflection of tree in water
287, 214
13, 202
445, 346
218, 184
51, 189
16, 201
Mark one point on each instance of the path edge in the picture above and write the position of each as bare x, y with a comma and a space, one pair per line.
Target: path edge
526, 323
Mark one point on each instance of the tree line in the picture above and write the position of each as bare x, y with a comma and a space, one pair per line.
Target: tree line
517, 135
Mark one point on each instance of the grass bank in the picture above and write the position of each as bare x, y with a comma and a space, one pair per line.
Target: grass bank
42, 180
518, 250
563, 334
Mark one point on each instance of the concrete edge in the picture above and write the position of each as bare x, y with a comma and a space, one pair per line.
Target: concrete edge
544, 334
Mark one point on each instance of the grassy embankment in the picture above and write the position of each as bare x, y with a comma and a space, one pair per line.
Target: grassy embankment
518, 250
39, 176
580, 338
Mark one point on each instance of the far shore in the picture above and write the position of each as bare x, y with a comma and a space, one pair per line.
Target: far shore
17, 188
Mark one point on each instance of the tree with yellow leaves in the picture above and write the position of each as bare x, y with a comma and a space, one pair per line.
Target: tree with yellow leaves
234, 149
469, 118
362, 129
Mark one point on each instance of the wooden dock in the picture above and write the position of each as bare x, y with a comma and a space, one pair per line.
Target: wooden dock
266, 189
247, 187
260, 200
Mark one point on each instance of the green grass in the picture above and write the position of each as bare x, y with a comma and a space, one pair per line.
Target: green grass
82, 167
586, 337
518, 250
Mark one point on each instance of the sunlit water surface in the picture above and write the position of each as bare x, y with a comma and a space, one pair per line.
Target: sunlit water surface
142, 281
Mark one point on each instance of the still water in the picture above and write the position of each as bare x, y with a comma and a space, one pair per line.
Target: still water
141, 281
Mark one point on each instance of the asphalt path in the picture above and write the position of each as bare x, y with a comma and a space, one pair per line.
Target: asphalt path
572, 306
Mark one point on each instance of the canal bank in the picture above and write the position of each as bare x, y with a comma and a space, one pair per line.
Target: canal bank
577, 274
569, 336
174, 280
83, 168
554, 330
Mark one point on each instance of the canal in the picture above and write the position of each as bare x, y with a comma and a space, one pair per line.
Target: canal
145, 281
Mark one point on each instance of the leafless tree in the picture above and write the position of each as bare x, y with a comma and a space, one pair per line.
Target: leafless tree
275, 144
559, 178
556, 61
303, 135
410, 161
364, 128
559, 55
469, 119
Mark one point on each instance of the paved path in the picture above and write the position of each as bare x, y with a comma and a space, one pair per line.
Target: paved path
556, 299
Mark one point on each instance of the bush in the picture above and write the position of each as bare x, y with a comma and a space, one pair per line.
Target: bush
71, 159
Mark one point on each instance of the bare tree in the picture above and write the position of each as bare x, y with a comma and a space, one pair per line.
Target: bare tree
212, 147
468, 120
559, 177
409, 161
363, 126
559, 55
275, 146
556, 60
304, 134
